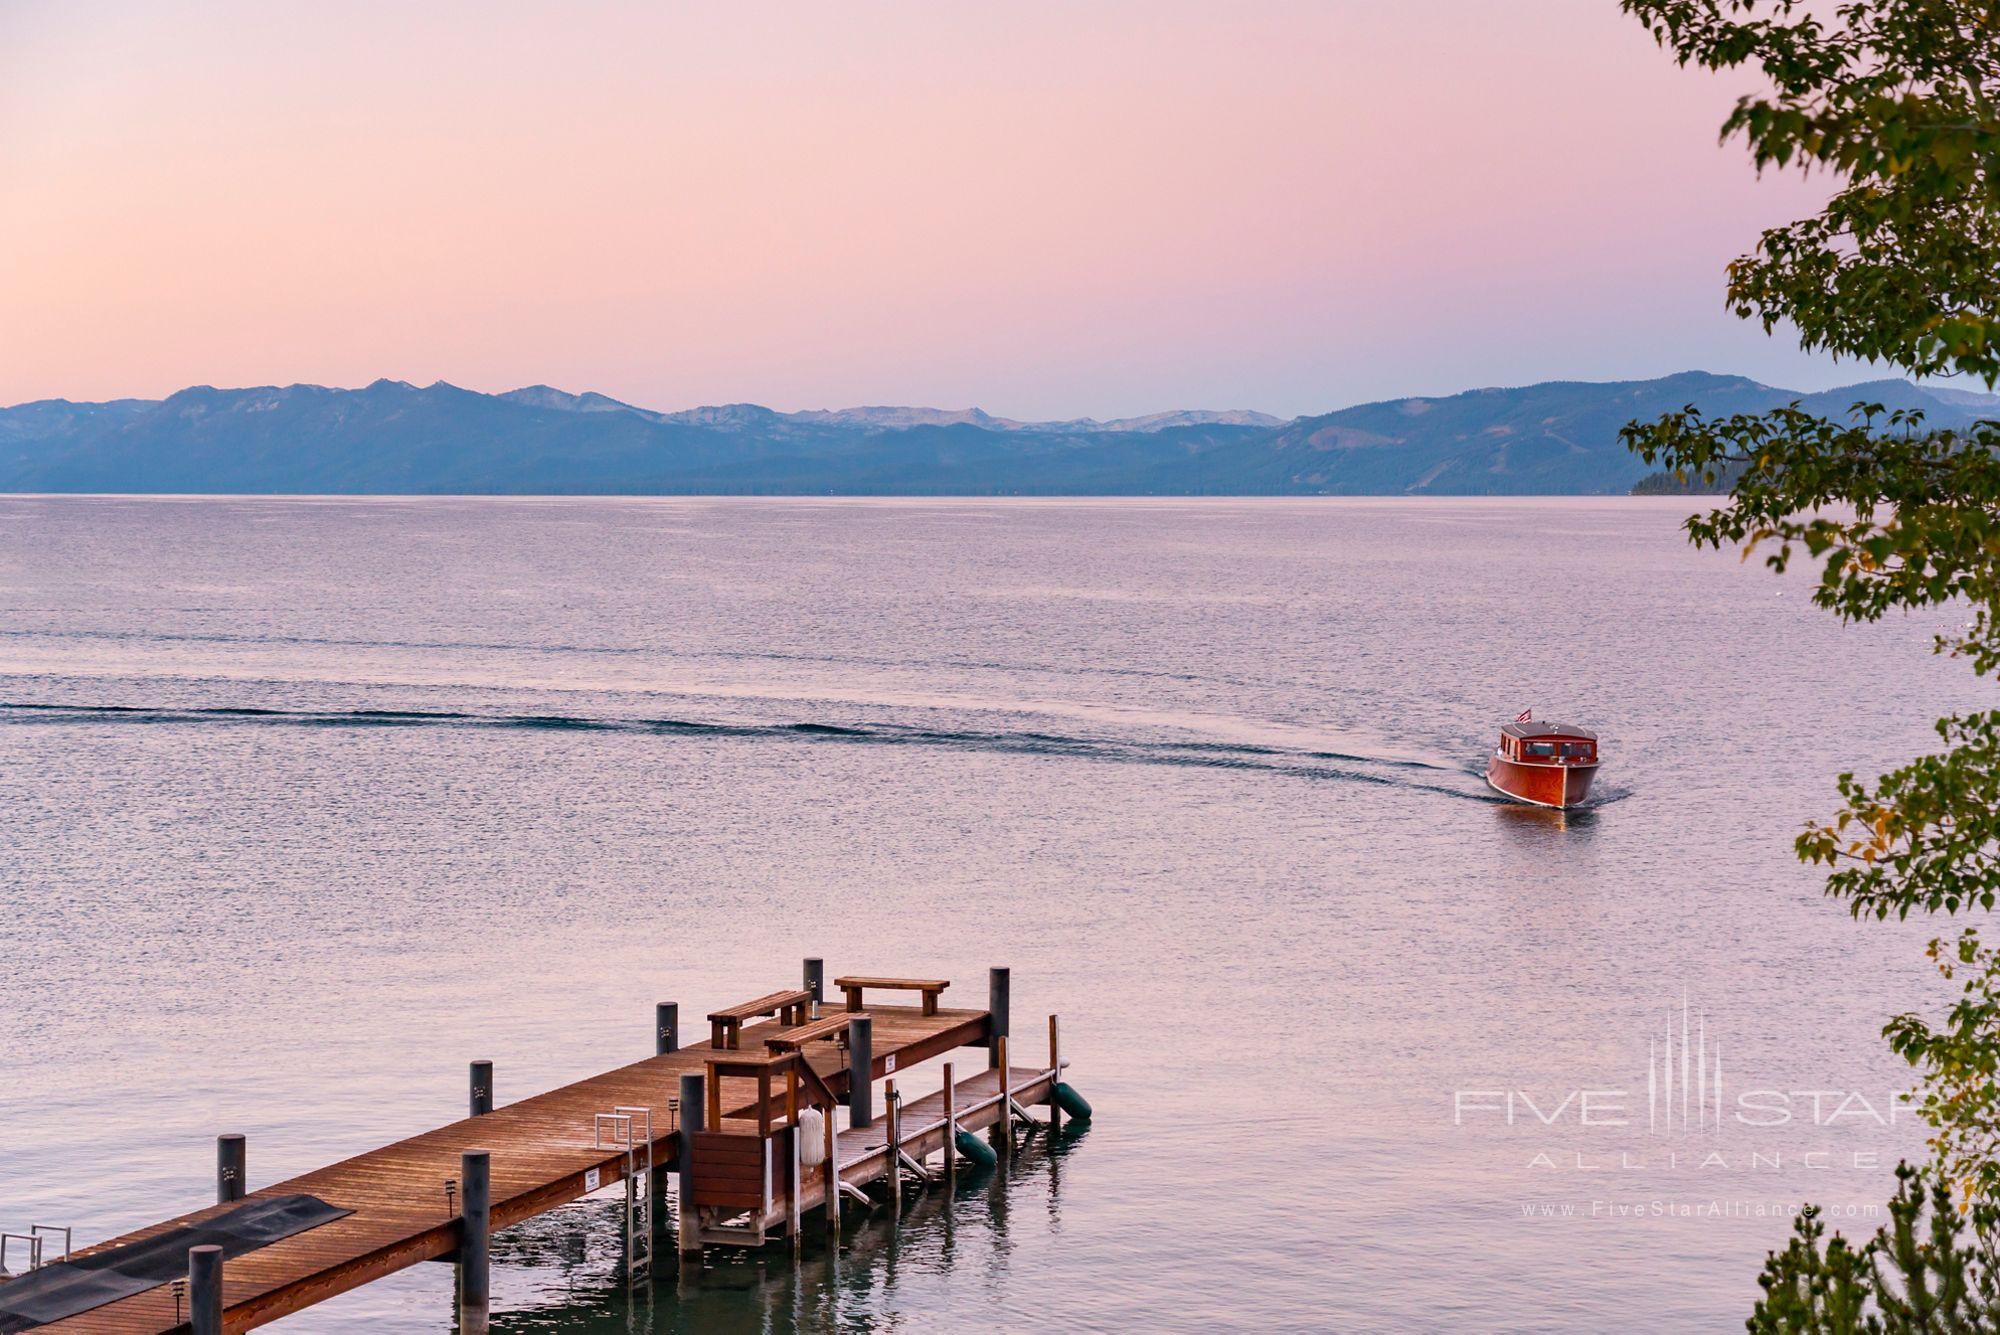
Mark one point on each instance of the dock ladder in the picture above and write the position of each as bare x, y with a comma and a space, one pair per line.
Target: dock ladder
630, 1131
34, 1241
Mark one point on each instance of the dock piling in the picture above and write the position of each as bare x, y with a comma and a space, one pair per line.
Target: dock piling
480, 1091
998, 982
1055, 1064
798, 1185
1004, 1128
694, 1100
861, 1074
231, 1166
950, 1128
475, 1212
666, 1028
832, 1180
890, 1103
205, 1290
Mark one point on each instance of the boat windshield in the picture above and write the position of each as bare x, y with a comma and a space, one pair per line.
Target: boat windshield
1552, 748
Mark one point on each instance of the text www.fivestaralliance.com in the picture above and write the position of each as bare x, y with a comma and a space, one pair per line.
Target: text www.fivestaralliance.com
1707, 1207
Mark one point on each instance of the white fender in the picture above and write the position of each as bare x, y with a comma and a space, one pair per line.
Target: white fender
812, 1137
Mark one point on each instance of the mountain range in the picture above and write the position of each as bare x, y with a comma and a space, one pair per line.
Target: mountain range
1559, 437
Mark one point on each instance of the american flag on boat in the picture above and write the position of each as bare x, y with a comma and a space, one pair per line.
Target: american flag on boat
1522, 717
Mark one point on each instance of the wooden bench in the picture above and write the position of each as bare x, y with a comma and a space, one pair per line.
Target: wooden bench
833, 1026
930, 987
725, 1027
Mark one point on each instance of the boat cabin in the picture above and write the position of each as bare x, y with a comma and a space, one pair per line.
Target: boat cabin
1548, 744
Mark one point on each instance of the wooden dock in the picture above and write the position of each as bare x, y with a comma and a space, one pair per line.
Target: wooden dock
742, 1177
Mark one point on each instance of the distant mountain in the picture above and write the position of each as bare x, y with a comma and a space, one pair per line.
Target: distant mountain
746, 416
393, 437
1941, 406
1986, 403
1552, 438
59, 419
892, 419
1183, 417
547, 396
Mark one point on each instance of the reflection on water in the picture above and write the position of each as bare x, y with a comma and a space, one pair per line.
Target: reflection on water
1523, 823
564, 1271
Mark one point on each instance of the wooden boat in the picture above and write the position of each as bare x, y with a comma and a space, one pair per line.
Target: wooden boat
1548, 764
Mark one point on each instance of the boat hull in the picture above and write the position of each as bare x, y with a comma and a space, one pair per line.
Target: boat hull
1543, 785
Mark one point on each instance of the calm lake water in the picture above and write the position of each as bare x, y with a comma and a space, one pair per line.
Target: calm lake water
1206, 775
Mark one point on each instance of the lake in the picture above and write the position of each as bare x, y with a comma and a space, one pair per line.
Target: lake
309, 802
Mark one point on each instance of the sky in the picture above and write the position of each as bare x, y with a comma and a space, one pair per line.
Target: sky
1046, 208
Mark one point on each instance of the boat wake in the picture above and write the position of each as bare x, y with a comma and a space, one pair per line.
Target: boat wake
1300, 762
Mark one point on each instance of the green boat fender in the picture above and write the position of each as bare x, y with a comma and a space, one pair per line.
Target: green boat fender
971, 1147
1072, 1102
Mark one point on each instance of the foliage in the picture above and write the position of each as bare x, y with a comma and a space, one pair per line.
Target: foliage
1899, 102
1914, 1275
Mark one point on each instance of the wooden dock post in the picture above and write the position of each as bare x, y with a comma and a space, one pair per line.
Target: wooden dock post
997, 986
832, 1179
950, 1129
1055, 1065
798, 1186
815, 979
666, 1039
890, 1104
694, 1099
861, 1072
666, 1028
205, 1290
481, 1089
1004, 1128
231, 1167
475, 1212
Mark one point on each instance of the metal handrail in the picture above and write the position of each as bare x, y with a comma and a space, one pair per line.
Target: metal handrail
34, 1242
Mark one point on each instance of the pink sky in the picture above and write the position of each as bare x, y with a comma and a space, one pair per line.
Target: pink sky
1045, 209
